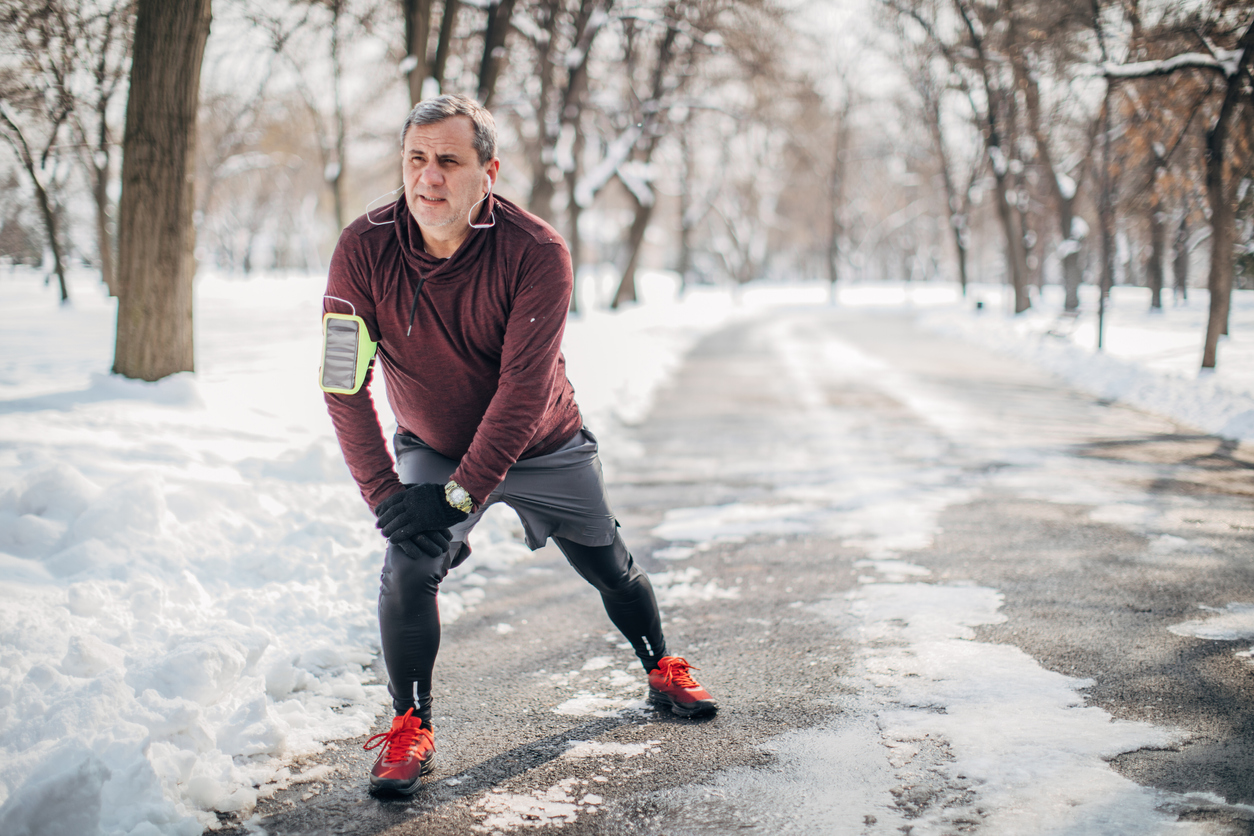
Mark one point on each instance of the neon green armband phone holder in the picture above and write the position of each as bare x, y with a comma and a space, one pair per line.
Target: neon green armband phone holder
346, 353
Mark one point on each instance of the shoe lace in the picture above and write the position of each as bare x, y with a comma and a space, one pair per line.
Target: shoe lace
399, 741
676, 670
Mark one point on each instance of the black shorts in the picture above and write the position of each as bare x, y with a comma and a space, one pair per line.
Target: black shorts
559, 494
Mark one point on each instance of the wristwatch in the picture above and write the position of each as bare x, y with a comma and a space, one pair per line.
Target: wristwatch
458, 496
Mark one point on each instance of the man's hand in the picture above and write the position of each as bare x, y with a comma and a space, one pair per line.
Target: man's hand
419, 509
428, 544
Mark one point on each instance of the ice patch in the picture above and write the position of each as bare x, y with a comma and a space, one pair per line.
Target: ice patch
554, 807
580, 749
1170, 544
680, 587
894, 571
585, 704
674, 553
1012, 745
1233, 623
734, 521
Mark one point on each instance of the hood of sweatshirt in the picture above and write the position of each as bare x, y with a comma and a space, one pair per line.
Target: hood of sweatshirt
428, 266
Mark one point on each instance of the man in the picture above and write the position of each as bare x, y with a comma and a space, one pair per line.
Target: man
466, 295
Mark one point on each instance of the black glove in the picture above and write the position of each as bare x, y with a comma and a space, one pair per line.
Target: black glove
428, 543
416, 510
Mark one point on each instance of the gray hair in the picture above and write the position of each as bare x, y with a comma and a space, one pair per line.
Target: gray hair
430, 111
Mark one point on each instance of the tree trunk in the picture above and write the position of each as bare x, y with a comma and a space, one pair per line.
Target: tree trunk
341, 130
835, 199
494, 33
1222, 213
1071, 274
447, 21
417, 31
635, 240
1157, 246
104, 241
1180, 266
54, 239
1222, 222
541, 153
156, 237
573, 210
1016, 260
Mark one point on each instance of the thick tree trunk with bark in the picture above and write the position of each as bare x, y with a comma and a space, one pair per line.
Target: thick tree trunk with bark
417, 29
448, 19
1223, 228
1016, 258
494, 33
1222, 211
156, 236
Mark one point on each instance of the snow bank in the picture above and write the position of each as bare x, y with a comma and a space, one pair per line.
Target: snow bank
188, 573
1150, 359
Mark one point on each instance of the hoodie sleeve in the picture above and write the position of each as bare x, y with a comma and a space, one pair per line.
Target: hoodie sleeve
354, 417
532, 375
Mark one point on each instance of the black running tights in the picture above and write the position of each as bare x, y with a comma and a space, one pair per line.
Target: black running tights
409, 620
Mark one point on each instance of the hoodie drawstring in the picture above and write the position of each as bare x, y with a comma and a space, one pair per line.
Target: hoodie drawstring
414, 307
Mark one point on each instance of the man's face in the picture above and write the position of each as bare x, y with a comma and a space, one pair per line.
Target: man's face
443, 176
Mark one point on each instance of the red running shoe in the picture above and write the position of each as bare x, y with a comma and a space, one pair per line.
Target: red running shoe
670, 684
408, 754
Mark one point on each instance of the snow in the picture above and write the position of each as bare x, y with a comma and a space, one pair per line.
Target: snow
187, 572
1066, 185
1149, 359
187, 594
1227, 62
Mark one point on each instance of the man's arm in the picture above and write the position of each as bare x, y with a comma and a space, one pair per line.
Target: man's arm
354, 417
531, 377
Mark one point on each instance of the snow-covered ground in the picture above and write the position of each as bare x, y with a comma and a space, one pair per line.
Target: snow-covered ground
187, 573
1149, 359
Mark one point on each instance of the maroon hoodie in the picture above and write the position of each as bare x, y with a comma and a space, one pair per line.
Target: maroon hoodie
480, 377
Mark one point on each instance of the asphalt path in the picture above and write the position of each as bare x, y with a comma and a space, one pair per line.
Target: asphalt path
1100, 526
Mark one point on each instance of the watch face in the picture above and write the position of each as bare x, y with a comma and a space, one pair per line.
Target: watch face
459, 495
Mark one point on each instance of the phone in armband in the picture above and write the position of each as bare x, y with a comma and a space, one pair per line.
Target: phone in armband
346, 352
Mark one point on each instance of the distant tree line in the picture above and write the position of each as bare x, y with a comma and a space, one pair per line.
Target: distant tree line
1066, 141
1116, 133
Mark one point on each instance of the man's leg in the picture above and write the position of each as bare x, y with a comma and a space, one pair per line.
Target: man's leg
625, 591
409, 626
409, 616
562, 495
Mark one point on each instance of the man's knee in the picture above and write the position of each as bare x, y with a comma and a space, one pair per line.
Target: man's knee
608, 568
406, 578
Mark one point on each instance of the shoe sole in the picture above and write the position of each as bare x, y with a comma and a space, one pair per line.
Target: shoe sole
696, 709
391, 785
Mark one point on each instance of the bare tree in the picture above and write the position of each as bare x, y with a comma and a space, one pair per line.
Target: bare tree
155, 235
495, 31
104, 49
419, 65
36, 109
1231, 69
967, 50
